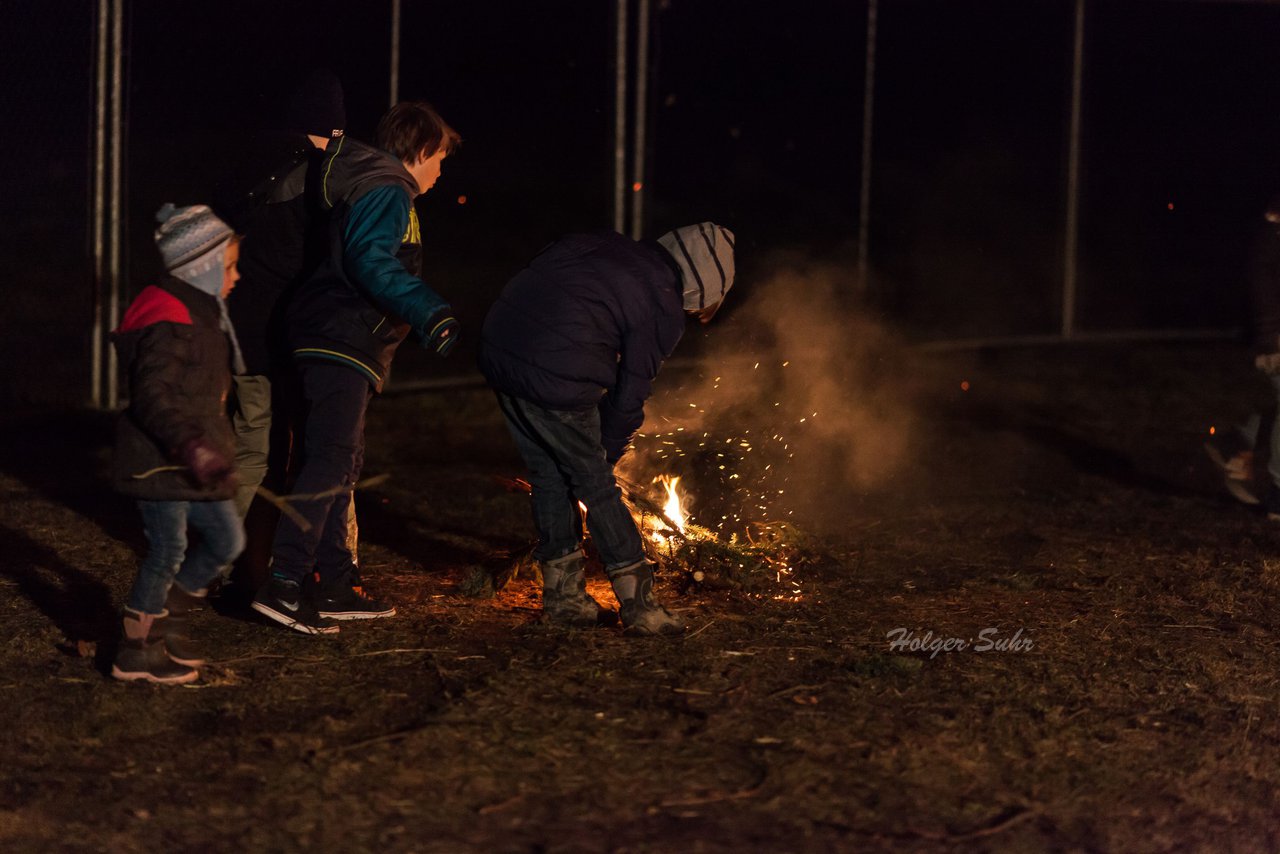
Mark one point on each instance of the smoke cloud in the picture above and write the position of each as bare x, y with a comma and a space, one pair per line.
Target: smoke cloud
786, 410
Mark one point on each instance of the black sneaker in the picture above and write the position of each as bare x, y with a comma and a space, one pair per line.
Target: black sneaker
283, 602
347, 602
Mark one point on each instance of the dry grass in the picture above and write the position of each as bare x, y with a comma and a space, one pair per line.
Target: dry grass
1063, 496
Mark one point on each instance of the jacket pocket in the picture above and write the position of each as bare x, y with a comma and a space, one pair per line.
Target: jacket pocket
382, 328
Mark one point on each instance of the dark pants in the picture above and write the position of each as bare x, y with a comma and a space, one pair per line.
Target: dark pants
566, 465
335, 400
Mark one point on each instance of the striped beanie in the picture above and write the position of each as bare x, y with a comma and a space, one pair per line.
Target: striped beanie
192, 242
704, 254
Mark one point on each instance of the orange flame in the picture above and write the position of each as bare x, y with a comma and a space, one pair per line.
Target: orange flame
672, 509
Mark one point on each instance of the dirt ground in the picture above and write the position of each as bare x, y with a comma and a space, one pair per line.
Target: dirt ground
1062, 500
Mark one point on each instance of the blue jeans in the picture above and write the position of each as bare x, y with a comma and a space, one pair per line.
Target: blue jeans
566, 465
336, 399
169, 561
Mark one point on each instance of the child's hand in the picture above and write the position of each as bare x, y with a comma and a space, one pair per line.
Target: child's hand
207, 465
444, 334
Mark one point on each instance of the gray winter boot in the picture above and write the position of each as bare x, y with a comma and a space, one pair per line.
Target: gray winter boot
142, 656
174, 628
564, 594
641, 614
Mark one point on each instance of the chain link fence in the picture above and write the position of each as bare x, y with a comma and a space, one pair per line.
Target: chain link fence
755, 120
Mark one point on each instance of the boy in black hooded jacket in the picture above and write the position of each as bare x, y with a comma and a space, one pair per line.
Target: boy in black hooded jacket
572, 347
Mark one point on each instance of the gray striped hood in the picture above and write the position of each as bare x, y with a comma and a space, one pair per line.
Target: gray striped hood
704, 254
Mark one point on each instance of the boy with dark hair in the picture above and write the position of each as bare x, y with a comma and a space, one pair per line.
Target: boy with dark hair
345, 325
179, 349
572, 347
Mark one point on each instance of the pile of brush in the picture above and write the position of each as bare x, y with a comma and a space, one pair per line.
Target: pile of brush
762, 558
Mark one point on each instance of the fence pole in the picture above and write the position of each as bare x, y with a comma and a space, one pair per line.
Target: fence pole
620, 119
868, 114
638, 185
117, 191
98, 204
395, 52
1072, 237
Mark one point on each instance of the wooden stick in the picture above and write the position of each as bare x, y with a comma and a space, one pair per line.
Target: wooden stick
282, 501
636, 496
151, 472
282, 504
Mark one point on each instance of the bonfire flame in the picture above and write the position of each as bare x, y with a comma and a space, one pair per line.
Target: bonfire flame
672, 510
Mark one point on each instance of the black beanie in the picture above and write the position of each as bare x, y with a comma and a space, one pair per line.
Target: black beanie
317, 107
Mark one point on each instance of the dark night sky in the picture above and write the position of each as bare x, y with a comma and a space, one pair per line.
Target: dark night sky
757, 123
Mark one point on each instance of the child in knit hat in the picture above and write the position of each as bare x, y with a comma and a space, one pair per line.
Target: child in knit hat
174, 443
572, 347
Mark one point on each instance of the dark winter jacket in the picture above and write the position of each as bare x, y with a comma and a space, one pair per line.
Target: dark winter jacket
588, 323
284, 243
178, 361
366, 296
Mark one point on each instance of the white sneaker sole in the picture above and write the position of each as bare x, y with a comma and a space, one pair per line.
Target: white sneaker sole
144, 676
285, 619
357, 615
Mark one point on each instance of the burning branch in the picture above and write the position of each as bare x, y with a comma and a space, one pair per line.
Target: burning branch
631, 492
635, 496
763, 556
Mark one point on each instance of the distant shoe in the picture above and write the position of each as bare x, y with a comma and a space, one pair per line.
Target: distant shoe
282, 601
1235, 460
343, 601
1271, 504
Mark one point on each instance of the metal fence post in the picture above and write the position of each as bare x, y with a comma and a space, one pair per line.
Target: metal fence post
117, 192
1072, 237
98, 204
639, 139
868, 114
395, 53
620, 118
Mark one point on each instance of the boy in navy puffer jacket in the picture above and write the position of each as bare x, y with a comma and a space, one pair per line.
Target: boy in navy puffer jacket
572, 347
